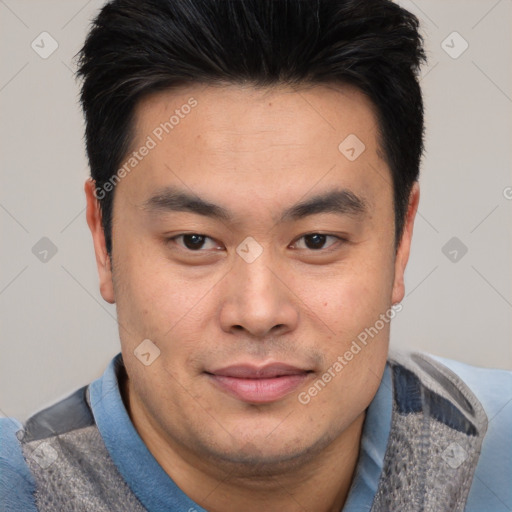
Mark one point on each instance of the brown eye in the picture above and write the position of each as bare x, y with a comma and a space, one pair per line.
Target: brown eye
194, 242
316, 241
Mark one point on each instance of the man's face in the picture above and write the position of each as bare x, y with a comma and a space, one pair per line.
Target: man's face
251, 313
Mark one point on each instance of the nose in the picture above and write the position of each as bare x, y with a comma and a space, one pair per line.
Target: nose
259, 299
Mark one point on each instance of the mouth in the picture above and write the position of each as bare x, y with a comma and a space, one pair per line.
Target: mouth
259, 385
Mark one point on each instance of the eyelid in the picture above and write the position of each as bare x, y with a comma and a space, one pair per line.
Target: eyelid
181, 235
332, 247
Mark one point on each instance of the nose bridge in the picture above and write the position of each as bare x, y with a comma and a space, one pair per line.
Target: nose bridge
257, 300
255, 273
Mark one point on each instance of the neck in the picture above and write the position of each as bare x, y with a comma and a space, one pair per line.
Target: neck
319, 482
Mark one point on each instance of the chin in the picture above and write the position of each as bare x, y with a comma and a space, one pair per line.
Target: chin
267, 452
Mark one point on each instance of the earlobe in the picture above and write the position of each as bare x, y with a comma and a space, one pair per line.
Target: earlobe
103, 263
402, 255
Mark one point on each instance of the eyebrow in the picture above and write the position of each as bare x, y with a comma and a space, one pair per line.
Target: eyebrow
338, 201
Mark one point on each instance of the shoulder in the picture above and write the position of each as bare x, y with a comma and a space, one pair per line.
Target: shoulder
465, 417
491, 489
493, 387
16, 483
71, 413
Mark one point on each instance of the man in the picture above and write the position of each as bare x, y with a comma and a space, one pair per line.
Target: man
253, 190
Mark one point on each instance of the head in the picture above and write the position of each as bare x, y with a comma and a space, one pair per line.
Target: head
253, 189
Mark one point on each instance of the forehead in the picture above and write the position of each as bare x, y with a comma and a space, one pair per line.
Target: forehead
226, 114
258, 140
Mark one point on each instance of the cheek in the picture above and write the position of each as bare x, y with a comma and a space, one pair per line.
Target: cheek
146, 295
352, 298
158, 303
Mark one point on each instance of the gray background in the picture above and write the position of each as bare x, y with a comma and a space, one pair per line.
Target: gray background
56, 331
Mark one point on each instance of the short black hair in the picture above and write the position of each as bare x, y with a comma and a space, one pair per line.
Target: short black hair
135, 48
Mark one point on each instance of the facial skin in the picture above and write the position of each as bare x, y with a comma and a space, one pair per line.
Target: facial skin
254, 152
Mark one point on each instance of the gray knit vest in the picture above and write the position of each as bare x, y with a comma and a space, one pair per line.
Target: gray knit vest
437, 429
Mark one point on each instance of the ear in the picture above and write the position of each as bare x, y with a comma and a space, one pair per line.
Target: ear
402, 255
98, 237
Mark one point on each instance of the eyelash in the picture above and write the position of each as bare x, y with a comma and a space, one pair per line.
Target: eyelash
341, 240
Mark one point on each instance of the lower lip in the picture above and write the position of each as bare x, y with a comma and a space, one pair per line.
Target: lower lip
260, 391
